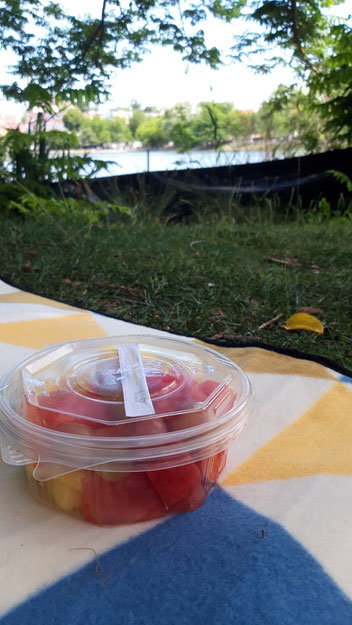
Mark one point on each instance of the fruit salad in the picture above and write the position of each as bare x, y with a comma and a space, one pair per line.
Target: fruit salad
123, 429
119, 497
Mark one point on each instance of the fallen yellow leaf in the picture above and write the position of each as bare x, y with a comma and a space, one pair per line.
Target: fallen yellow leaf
304, 321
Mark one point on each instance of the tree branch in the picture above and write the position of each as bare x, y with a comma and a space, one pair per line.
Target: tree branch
297, 38
98, 31
78, 60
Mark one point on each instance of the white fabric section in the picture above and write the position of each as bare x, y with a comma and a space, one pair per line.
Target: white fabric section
11, 355
334, 373
280, 402
39, 541
6, 288
12, 312
316, 511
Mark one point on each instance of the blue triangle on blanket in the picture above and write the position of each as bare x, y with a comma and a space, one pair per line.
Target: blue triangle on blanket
222, 564
346, 379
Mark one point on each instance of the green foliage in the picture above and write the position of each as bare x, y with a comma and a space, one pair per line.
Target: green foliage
73, 119
182, 136
151, 132
119, 130
290, 122
338, 211
92, 132
69, 209
33, 161
209, 125
300, 28
315, 44
177, 126
333, 82
344, 206
325, 213
343, 178
137, 118
213, 124
41, 157
61, 59
71, 58
217, 123
242, 124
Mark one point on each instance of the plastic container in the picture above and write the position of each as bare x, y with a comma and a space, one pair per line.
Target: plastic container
123, 429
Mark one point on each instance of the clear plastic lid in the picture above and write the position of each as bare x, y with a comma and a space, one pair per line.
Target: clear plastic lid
125, 403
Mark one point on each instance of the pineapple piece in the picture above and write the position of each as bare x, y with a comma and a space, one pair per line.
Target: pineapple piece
63, 492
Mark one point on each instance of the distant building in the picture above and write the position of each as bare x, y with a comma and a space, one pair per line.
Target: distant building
120, 111
256, 138
8, 122
52, 122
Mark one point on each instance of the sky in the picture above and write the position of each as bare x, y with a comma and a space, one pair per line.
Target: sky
162, 79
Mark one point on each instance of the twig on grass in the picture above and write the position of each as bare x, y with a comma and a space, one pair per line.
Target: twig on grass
268, 323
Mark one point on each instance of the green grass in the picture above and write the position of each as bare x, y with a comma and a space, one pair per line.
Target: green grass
208, 279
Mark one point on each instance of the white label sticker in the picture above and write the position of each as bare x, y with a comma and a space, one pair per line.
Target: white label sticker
134, 384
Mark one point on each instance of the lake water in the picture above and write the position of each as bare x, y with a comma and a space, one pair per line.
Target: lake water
163, 160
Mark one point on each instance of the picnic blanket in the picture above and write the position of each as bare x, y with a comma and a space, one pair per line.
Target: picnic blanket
272, 545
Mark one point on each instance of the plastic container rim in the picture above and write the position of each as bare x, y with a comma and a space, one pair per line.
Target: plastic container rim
19, 430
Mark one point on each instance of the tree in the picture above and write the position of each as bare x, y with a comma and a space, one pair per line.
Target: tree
151, 132
209, 124
119, 131
101, 130
290, 120
73, 119
138, 117
317, 45
233, 124
177, 126
248, 125
62, 59
96, 131
71, 58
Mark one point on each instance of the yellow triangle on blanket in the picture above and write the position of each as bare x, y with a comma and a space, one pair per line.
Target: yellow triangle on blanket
258, 360
40, 332
23, 297
319, 442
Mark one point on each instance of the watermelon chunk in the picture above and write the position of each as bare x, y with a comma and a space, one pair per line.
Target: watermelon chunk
199, 392
213, 466
64, 411
179, 486
129, 500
